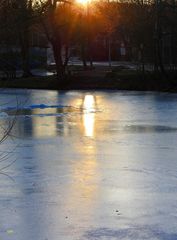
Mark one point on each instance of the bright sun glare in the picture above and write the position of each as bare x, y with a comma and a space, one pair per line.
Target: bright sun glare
83, 2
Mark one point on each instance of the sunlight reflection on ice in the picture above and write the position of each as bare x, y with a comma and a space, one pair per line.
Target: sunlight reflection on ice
89, 115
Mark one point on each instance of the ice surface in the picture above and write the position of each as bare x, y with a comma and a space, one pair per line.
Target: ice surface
82, 174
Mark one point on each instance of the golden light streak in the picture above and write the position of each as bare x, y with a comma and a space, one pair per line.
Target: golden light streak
44, 126
89, 115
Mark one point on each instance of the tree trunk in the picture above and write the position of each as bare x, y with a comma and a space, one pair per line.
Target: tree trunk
159, 54
83, 54
60, 67
24, 45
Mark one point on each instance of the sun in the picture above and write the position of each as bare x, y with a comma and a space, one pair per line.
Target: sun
83, 2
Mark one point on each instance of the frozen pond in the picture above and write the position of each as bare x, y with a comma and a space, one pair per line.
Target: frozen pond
88, 165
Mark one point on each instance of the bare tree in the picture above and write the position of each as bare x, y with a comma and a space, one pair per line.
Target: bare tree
56, 18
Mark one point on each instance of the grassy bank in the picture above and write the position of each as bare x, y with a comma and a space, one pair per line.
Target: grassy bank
118, 80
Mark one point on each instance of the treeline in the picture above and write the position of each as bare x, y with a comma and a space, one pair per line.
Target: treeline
148, 29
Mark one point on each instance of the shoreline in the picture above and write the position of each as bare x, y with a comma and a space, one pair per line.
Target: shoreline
129, 82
